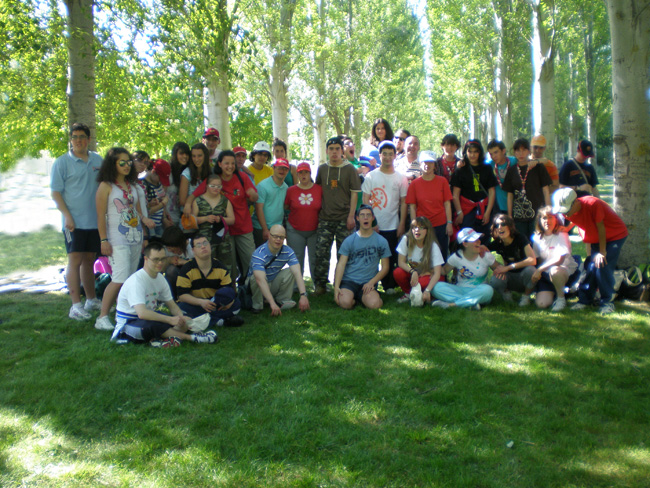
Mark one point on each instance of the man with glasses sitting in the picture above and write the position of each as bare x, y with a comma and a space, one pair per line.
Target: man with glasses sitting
204, 285
269, 279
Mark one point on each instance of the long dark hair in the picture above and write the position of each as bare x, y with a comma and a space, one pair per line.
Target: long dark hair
199, 174
474, 143
108, 170
510, 224
177, 168
374, 140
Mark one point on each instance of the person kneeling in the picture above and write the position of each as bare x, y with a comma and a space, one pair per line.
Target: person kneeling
136, 317
470, 290
204, 286
268, 280
356, 274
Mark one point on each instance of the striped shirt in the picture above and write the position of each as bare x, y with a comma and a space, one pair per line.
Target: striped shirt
262, 260
192, 281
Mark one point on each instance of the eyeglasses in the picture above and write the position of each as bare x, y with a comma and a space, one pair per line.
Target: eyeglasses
128, 162
417, 227
79, 137
500, 224
156, 260
400, 138
217, 187
201, 244
277, 238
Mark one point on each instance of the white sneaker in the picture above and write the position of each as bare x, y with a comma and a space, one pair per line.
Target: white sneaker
94, 304
507, 297
475, 307
440, 303
78, 313
607, 308
579, 306
104, 323
559, 305
289, 304
524, 301
404, 299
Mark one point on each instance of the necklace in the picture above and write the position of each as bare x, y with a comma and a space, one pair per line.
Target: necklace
497, 172
523, 179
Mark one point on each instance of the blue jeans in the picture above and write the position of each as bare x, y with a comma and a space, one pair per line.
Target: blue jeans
600, 278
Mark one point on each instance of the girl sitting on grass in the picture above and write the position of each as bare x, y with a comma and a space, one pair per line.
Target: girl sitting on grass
470, 291
553, 248
419, 260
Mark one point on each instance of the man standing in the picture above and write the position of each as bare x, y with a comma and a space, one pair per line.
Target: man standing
348, 153
500, 164
136, 317
240, 157
74, 184
446, 164
412, 168
341, 184
269, 279
386, 191
204, 286
538, 146
604, 234
211, 141
399, 140
269, 208
356, 275
578, 174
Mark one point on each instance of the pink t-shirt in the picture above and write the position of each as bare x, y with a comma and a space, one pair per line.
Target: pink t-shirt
304, 206
429, 198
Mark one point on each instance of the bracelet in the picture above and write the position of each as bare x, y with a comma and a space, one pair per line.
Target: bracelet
450, 222
303, 294
104, 240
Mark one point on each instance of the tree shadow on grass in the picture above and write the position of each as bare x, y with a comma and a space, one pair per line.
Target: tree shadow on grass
395, 397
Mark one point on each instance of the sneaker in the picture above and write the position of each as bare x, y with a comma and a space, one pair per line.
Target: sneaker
476, 307
440, 303
93, 305
256, 311
404, 299
208, 337
507, 297
165, 343
104, 323
320, 290
578, 306
524, 301
607, 308
559, 305
288, 305
391, 291
235, 321
78, 313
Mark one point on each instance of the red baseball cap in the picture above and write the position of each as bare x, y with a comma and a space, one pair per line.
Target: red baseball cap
211, 132
238, 149
163, 170
304, 166
281, 163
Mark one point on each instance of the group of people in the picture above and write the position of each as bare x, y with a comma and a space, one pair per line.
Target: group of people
209, 222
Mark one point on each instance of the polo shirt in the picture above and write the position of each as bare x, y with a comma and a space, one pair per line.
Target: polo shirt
262, 257
271, 195
191, 280
76, 180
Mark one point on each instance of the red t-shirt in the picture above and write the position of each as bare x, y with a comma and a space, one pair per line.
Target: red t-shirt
237, 196
304, 206
595, 210
429, 198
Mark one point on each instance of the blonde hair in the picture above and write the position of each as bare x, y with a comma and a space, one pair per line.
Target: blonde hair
429, 239
543, 212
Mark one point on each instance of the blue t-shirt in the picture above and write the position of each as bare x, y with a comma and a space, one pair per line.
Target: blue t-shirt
502, 196
262, 257
76, 181
364, 255
272, 197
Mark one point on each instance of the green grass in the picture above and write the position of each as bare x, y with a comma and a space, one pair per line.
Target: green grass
31, 251
394, 397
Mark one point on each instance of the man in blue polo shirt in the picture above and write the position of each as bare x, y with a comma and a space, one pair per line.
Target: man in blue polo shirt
269, 279
74, 184
269, 208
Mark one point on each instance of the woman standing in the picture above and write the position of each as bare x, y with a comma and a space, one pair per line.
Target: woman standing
473, 189
303, 201
553, 249
430, 196
180, 157
212, 210
119, 221
419, 260
197, 171
259, 157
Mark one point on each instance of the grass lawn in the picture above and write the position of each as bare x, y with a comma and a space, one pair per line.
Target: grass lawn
395, 397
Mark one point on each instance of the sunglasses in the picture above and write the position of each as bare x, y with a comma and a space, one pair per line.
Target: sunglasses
128, 162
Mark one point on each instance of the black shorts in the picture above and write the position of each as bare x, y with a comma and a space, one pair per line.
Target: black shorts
140, 331
355, 288
82, 240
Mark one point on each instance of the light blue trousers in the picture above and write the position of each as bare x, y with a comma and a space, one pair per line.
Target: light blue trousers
463, 296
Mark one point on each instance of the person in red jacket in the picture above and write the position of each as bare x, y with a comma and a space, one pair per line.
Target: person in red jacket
604, 234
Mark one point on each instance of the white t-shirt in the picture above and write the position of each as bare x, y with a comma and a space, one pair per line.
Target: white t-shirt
471, 273
416, 257
138, 289
552, 247
385, 191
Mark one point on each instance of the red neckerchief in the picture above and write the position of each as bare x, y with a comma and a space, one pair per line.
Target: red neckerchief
128, 197
496, 172
523, 178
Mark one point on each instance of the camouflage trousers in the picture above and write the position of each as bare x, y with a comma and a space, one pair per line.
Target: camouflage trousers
328, 230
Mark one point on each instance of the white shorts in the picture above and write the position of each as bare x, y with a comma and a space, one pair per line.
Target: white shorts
124, 262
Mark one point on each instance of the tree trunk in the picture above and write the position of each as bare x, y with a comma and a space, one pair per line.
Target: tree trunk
217, 101
279, 100
544, 76
81, 66
320, 135
629, 23
589, 79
